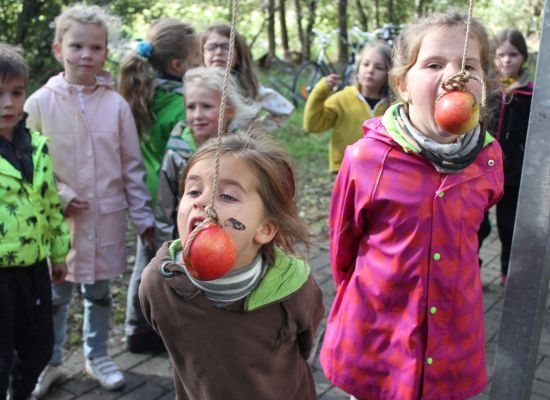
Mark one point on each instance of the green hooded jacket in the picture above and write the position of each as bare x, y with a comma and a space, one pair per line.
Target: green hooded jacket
32, 226
168, 110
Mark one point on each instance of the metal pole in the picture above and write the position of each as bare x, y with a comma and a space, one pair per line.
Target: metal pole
527, 288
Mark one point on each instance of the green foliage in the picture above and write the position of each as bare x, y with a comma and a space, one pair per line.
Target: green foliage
30, 22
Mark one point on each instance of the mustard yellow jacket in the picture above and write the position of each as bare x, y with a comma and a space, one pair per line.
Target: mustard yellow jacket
345, 111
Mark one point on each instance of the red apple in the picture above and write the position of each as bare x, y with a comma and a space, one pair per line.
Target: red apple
457, 112
211, 254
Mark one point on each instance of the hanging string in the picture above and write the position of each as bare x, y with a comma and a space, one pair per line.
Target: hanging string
211, 213
459, 80
221, 116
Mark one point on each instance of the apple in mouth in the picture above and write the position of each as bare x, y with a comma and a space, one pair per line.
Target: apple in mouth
211, 253
457, 112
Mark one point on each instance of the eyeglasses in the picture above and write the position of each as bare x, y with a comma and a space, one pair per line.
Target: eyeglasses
224, 47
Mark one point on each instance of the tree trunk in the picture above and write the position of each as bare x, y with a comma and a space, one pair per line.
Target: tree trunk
270, 31
418, 5
362, 15
30, 7
311, 6
343, 36
377, 13
301, 37
282, 21
390, 11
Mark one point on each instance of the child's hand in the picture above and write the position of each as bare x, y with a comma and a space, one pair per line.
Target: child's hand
59, 272
76, 206
148, 237
332, 80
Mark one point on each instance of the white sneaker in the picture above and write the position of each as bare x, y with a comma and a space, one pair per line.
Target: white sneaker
49, 375
106, 372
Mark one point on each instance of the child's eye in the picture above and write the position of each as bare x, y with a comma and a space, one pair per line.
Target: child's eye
226, 197
434, 66
193, 193
470, 67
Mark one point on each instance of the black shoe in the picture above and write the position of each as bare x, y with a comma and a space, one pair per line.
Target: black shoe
144, 341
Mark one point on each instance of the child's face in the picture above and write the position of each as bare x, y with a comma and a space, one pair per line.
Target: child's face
202, 108
509, 60
237, 198
439, 57
372, 74
83, 51
216, 51
12, 99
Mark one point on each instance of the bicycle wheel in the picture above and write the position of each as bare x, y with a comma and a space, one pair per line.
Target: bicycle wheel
305, 80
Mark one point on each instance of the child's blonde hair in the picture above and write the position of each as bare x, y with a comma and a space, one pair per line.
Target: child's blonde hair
169, 39
407, 45
212, 78
12, 64
385, 52
83, 14
244, 67
272, 166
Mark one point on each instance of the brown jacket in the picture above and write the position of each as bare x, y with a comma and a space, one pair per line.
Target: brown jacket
256, 348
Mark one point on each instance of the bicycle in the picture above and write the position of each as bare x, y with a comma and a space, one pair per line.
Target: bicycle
311, 72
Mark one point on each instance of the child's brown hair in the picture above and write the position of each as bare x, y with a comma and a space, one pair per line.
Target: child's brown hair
169, 39
12, 64
272, 166
244, 67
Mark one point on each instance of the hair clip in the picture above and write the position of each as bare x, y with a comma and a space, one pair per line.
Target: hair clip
144, 49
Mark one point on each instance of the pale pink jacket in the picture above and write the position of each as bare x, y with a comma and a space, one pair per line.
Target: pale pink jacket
95, 154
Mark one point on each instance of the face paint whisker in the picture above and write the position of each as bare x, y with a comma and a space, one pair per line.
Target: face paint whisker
237, 225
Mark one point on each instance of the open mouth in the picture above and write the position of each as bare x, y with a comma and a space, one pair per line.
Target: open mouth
194, 223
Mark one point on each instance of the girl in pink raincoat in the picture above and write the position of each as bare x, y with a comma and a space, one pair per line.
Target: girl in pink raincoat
407, 320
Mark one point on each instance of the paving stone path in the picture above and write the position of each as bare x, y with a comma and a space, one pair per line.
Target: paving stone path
148, 375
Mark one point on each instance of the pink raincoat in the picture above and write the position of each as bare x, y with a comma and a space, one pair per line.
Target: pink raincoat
407, 320
95, 155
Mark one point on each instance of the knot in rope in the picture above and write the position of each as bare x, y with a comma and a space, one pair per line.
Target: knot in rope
456, 82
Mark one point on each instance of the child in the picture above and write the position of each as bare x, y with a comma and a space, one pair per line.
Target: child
215, 49
345, 111
407, 320
100, 175
203, 92
249, 333
151, 81
510, 128
32, 230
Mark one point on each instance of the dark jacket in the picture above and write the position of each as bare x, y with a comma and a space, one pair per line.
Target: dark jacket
256, 348
510, 128
179, 149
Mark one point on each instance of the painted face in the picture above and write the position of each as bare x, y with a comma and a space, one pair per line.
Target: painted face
439, 57
372, 74
12, 99
509, 60
237, 198
202, 107
216, 51
83, 51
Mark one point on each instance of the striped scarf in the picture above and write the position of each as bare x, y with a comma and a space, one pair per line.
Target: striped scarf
235, 285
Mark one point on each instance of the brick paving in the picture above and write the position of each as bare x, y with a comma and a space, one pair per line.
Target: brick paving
148, 375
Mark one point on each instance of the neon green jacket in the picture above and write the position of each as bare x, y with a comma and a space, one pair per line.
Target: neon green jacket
32, 226
168, 109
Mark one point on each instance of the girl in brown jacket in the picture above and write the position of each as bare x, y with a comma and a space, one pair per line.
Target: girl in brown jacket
248, 334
